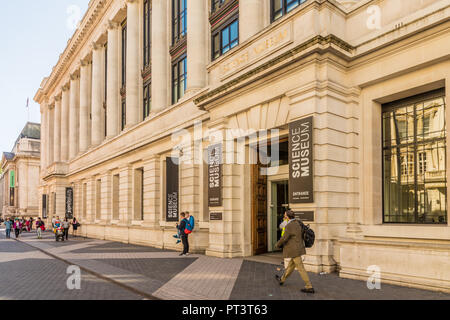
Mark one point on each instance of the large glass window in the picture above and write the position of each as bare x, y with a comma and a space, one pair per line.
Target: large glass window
179, 20
225, 39
282, 7
147, 99
414, 160
124, 53
179, 79
147, 31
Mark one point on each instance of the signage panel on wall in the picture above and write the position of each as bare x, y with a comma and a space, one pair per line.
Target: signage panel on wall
215, 175
44, 206
304, 215
69, 203
12, 179
172, 189
301, 161
216, 216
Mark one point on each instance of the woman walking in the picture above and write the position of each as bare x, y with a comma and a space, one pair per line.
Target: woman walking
17, 227
66, 226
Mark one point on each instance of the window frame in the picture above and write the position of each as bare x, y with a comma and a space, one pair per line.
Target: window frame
284, 5
176, 63
147, 32
179, 20
147, 99
407, 102
219, 31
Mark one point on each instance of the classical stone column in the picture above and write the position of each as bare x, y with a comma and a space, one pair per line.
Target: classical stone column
196, 44
85, 104
98, 125
65, 100
160, 70
44, 139
57, 131
112, 102
133, 65
50, 122
74, 115
250, 18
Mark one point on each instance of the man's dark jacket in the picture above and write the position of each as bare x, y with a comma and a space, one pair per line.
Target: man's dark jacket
292, 240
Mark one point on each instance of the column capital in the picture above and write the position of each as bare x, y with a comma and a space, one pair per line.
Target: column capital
85, 62
111, 25
96, 46
75, 75
58, 97
65, 86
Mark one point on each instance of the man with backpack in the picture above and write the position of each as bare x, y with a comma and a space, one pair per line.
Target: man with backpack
293, 246
184, 236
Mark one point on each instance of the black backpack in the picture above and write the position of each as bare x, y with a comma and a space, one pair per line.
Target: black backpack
308, 235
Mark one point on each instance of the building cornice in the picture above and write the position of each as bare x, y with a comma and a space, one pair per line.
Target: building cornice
89, 22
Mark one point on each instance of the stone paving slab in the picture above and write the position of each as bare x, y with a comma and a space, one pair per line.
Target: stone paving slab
206, 278
256, 281
27, 274
163, 274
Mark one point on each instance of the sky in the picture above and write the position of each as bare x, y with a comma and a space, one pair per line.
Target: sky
33, 34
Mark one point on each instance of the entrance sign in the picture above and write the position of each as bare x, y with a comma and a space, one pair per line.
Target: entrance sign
304, 215
215, 175
215, 216
301, 161
69, 203
172, 189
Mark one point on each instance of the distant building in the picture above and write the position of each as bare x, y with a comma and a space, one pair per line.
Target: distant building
19, 180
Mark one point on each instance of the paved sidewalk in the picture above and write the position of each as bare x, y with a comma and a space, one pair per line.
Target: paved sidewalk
163, 274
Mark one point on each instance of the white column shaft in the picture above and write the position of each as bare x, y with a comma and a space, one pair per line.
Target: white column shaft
98, 125
133, 65
57, 132
112, 102
85, 106
250, 18
160, 69
74, 117
65, 102
196, 44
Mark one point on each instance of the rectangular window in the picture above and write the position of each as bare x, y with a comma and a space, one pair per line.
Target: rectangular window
106, 89
115, 197
147, 32
98, 199
282, 7
147, 99
123, 114
414, 160
124, 53
139, 194
179, 79
179, 20
84, 206
225, 38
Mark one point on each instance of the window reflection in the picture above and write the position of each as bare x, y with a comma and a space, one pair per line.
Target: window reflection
414, 155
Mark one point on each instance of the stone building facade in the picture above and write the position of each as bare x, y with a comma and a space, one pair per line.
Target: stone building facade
335, 109
21, 175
